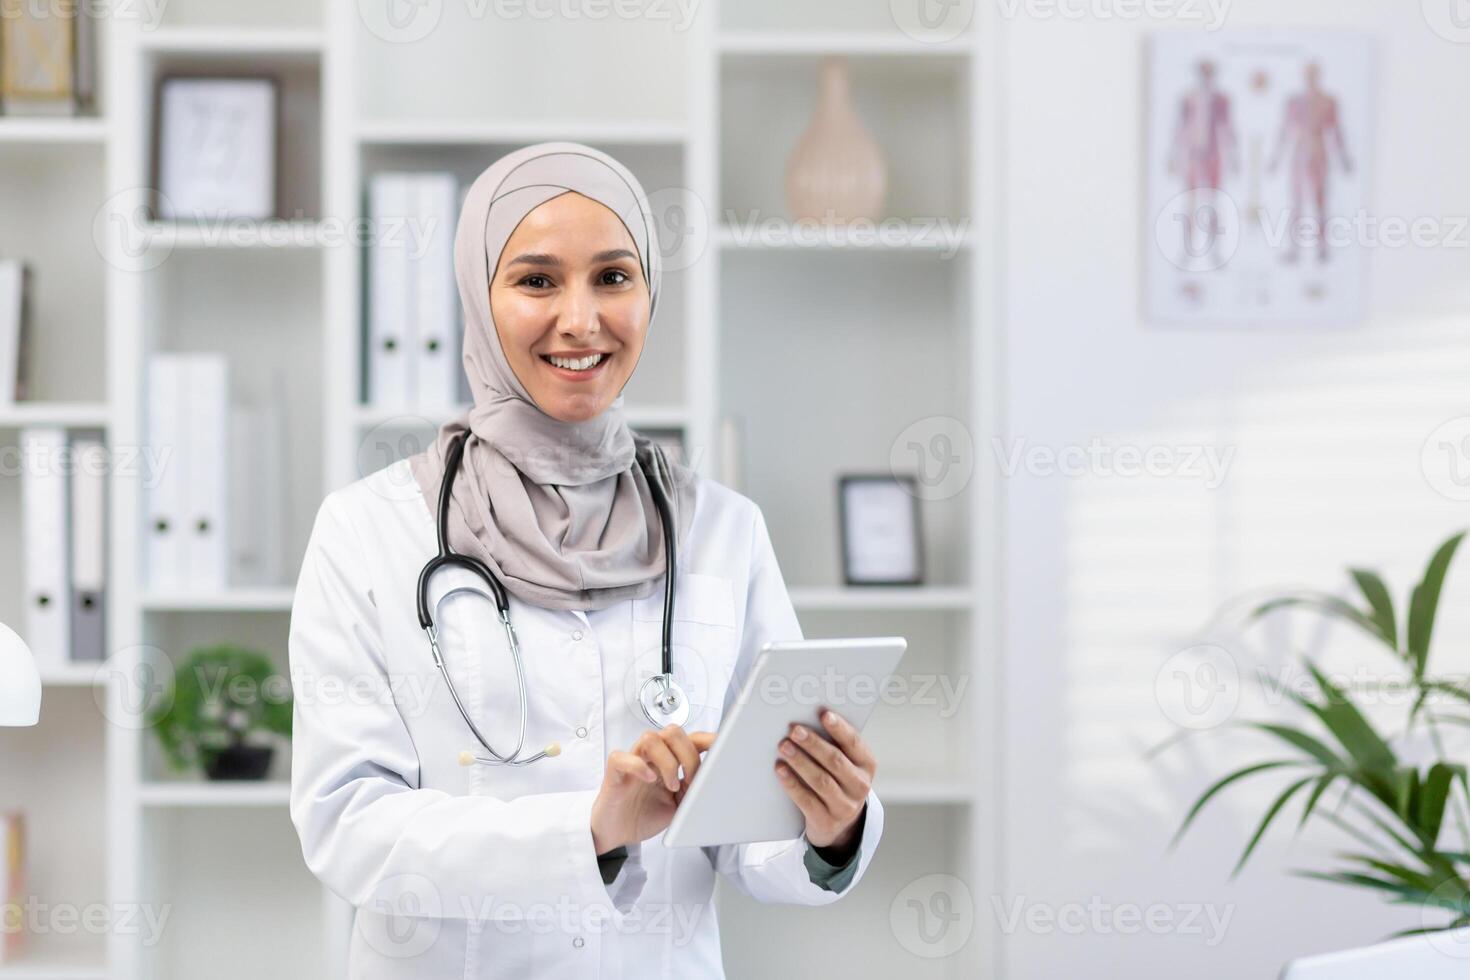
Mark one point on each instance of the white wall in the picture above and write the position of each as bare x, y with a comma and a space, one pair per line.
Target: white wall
1107, 576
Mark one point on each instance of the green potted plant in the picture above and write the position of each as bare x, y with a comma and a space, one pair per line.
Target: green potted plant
222, 708
1402, 814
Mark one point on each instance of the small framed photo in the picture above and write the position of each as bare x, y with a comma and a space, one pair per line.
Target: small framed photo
217, 147
881, 541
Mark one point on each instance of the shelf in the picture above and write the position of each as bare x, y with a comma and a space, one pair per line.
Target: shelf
73, 675
202, 794
207, 233
75, 415
242, 599
50, 130
903, 791
950, 235
232, 41
431, 132
638, 416
897, 598
807, 43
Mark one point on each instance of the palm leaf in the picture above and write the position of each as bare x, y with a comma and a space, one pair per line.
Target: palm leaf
1424, 603
1210, 793
1274, 809
1373, 589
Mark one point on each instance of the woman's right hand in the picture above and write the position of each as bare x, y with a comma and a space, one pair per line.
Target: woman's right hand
641, 788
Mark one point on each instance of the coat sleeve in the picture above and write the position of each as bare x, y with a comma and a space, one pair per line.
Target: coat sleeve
367, 830
779, 871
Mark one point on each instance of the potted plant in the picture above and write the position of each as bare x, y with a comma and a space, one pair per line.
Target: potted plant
1402, 814
223, 707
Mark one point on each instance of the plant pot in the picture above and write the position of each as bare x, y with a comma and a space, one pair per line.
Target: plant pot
239, 762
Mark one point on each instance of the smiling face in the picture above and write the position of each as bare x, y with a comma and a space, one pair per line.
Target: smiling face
571, 306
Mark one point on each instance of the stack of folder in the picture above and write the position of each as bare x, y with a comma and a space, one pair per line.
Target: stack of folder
64, 540
413, 314
14, 330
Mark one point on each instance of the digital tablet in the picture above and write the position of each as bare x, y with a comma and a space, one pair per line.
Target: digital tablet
736, 796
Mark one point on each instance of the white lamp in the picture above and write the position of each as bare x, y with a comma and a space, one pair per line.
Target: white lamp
20, 682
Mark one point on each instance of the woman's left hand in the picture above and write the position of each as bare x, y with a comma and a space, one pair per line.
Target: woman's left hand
829, 782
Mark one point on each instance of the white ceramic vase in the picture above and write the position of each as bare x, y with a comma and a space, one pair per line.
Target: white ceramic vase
837, 173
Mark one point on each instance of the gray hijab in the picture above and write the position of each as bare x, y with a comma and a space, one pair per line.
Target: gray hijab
561, 512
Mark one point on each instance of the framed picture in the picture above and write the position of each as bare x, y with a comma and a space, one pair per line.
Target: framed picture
217, 147
879, 517
1256, 178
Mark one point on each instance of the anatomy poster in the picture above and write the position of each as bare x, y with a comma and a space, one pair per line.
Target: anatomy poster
1256, 190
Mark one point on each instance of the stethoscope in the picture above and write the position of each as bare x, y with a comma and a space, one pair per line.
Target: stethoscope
661, 699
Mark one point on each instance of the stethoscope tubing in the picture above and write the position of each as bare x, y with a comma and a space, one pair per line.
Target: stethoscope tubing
668, 697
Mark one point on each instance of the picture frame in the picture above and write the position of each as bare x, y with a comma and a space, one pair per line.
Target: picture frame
217, 146
880, 529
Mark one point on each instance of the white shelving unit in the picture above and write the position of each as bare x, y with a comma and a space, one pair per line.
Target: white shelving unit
714, 109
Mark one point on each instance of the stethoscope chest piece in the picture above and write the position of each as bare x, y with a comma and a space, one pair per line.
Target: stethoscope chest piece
663, 701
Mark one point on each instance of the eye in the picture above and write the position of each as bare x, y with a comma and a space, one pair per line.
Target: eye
543, 281
617, 272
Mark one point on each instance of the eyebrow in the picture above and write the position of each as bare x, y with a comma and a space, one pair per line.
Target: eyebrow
542, 258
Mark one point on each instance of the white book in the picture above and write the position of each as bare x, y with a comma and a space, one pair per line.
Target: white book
435, 351
12, 329
166, 566
256, 491
207, 440
390, 382
45, 544
88, 547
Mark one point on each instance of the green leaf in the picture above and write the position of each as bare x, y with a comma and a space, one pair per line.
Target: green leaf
1301, 740
1375, 760
1380, 602
1328, 605
1210, 793
1323, 782
1424, 604
1429, 808
1274, 809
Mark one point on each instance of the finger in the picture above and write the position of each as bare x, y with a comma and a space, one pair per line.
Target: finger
652, 748
702, 740
628, 767
683, 748
855, 783
850, 740
816, 776
808, 802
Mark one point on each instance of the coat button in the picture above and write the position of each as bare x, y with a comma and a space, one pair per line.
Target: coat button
579, 942
581, 733
576, 634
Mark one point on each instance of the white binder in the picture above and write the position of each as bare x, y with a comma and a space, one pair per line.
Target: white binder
435, 351
45, 545
166, 567
88, 547
12, 330
389, 293
207, 417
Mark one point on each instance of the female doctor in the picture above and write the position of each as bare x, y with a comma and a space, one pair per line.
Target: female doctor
490, 793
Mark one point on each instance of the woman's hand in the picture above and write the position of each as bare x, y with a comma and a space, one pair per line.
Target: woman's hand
641, 788
828, 782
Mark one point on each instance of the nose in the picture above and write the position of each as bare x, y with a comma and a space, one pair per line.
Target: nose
580, 317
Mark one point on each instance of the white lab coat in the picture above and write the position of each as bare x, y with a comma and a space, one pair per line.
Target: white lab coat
490, 871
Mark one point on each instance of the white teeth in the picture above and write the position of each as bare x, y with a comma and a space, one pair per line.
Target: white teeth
576, 363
